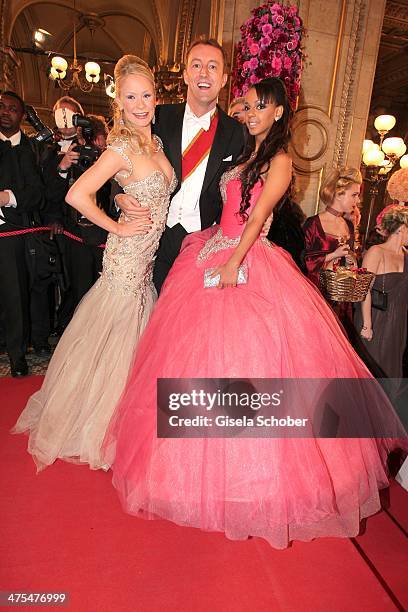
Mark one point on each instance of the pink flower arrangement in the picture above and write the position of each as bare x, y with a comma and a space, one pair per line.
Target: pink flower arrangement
270, 45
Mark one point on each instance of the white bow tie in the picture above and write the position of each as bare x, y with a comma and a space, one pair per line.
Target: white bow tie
203, 122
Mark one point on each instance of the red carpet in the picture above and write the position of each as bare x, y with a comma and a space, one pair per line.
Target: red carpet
64, 531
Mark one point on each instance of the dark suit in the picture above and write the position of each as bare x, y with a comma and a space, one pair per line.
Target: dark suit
19, 172
228, 141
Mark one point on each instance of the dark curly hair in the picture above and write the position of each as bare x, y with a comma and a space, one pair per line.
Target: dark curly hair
277, 139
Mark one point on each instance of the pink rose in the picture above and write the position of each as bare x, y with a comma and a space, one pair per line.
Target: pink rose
276, 64
264, 56
290, 45
250, 41
265, 41
253, 79
246, 65
287, 62
253, 64
266, 29
279, 19
254, 49
293, 10
265, 18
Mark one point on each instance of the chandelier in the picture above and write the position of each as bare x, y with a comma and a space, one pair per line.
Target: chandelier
69, 77
380, 159
385, 155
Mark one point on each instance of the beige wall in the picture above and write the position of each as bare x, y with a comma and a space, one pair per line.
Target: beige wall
341, 49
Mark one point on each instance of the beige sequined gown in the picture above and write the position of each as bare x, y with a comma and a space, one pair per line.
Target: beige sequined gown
67, 418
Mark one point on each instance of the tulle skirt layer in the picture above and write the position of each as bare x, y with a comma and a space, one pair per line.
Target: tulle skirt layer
68, 417
277, 325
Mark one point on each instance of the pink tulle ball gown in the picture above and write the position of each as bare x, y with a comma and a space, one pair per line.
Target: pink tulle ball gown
276, 325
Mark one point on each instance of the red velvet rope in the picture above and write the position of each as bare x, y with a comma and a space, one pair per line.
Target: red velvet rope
31, 230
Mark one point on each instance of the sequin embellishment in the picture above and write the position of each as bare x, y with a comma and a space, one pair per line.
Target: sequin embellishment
218, 242
128, 262
229, 175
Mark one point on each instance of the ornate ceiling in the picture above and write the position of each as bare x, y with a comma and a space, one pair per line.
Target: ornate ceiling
159, 31
390, 91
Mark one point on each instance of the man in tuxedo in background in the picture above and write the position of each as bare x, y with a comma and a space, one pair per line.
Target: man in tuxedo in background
201, 142
21, 197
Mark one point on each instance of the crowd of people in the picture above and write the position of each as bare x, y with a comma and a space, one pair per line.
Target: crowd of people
47, 274
44, 274
198, 194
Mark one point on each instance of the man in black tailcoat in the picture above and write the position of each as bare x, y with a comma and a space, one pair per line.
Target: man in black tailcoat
21, 197
196, 203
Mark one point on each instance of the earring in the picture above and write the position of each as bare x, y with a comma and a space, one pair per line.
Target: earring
154, 118
121, 122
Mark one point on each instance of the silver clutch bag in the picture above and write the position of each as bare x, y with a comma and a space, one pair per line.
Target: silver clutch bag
213, 281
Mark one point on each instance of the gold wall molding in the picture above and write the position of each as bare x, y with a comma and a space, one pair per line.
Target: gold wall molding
3, 5
310, 139
345, 115
217, 19
337, 57
184, 28
158, 31
9, 62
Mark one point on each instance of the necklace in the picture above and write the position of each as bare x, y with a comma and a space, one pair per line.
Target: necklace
334, 212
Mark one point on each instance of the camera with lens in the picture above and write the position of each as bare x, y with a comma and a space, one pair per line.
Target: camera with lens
44, 133
88, 153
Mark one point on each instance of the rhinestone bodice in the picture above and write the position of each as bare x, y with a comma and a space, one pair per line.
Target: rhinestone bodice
128, 262
228, 235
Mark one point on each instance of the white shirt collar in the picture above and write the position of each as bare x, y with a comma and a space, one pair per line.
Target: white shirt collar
65, 144
203, 121
15, 139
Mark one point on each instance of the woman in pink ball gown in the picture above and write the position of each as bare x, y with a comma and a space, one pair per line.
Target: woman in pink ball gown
275, 325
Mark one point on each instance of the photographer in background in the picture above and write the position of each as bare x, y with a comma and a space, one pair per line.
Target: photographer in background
21, 198
87, 256
58, 168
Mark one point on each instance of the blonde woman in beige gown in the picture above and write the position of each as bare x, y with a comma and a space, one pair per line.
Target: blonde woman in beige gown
67, 418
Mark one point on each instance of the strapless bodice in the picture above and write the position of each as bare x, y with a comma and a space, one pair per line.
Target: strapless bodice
230, 187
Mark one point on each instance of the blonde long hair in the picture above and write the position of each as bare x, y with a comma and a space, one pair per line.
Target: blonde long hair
122, 128
337, 182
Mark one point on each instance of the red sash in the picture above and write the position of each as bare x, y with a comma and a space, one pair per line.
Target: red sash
198, 148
